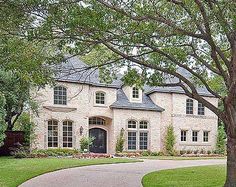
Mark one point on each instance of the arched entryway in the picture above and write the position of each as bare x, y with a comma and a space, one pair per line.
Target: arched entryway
100, 142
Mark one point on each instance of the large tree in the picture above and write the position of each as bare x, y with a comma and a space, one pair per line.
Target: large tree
24, 63
159, 37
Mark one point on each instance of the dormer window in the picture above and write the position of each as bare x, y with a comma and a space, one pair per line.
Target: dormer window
135, 93
100, 98
60, 95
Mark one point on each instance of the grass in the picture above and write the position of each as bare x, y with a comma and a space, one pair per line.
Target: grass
179, 158
13, 171
202, 176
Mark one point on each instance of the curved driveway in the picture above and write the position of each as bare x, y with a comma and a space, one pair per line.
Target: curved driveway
110, 175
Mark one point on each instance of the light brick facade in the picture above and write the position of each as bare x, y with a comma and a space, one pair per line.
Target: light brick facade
81, 106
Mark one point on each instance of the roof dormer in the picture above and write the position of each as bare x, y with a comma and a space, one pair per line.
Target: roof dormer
134, 94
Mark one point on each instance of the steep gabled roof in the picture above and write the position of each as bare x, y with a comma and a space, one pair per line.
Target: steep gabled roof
123, 102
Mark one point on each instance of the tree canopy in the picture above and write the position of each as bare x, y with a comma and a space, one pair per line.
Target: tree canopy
152, 39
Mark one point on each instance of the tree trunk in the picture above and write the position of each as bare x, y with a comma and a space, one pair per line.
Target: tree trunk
231, 163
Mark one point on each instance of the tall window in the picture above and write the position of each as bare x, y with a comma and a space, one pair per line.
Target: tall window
201, 109
135, 93
183, 135
189, 106
96, 121
132, 124
205, 136
100, 98
52, 133
60, 95
132, 140
137, 135
67, 134
195, 136
143, 140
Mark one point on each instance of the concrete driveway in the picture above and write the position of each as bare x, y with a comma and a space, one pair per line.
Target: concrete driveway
111, 175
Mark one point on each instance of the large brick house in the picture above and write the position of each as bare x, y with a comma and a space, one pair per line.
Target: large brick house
79, 105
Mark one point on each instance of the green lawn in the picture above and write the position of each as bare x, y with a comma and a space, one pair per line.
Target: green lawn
202, 176
179, 158
15, 171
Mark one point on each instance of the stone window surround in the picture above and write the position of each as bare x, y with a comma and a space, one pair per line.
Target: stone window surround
66, 95
137, 130
60, 134
105, 99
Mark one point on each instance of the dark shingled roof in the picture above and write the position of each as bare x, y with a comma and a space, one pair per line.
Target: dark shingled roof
201, 90
123, 102
74, 70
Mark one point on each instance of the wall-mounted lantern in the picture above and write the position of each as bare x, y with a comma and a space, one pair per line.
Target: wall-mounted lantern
81, 129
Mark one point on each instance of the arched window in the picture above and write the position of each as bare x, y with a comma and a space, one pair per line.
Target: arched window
52, 133
67, 134
96, 121
189, 106
135, 93
60, 95
132, 124
100, 98
143, 125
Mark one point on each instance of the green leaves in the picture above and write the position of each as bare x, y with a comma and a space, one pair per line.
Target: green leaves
2, 118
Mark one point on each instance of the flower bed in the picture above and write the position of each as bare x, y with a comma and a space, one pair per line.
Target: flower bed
92, 155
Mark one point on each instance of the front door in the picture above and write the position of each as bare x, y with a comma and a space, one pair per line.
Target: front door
100, 142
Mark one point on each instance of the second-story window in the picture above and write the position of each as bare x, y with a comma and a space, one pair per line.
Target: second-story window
135, 93
100, 98
189, 106
201, 109
60, 95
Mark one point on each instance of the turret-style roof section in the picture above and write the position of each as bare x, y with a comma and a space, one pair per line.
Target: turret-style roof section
74, 70
123, 102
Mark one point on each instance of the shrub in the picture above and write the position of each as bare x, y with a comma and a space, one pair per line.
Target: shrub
85, 142
202, 151
170, 141
182, 152
154, 154
54, 152
21, 152
146, 153
120, 142
189, 151
208, 152
221, 137
195, 152
161, 154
